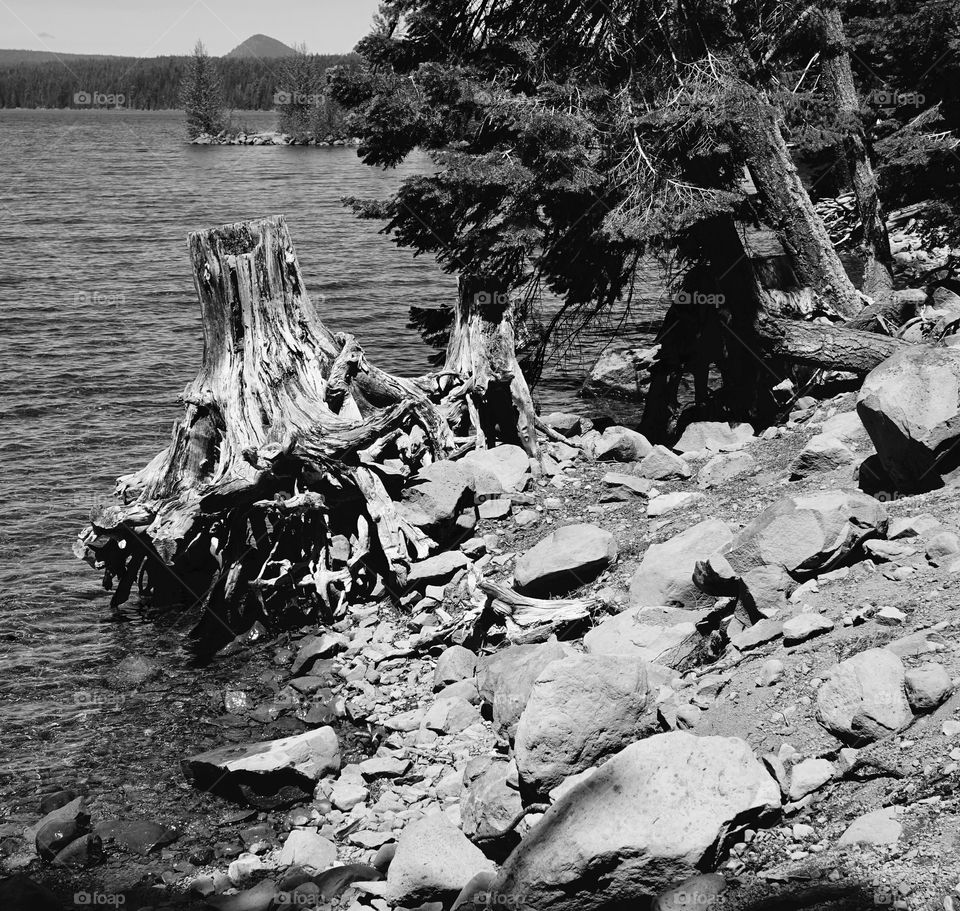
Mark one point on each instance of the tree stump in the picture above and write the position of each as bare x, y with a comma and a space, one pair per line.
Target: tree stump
273, 496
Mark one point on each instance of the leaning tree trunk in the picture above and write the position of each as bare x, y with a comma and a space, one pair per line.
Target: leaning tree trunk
273, 493
481, 358
789, 209
838, 77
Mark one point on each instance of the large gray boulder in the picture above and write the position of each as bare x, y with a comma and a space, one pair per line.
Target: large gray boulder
822, 453
580, 709
665, 575
509, 464
505, 679
658, 635
565, 559
910, 406
433, 862
660, 464
621, 444
808, 534
863, 698
490, 801
650, 817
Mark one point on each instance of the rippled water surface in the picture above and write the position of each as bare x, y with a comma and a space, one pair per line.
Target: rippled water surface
100, 333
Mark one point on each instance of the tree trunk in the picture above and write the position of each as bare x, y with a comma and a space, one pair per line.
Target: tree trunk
481, 356
838, 77
272, 495
824, 346
789, 209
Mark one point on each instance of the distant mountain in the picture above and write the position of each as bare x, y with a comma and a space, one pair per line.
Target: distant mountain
262, 47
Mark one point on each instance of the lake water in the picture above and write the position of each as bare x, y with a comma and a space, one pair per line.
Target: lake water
101, 332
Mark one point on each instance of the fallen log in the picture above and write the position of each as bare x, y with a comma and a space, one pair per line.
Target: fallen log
273, 495
533, 619
824, 346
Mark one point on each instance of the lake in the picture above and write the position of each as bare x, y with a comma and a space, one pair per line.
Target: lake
102, 332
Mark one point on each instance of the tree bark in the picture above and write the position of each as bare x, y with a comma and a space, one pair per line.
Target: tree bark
825, 346
482, 357
272, 495
789, 209
838, 77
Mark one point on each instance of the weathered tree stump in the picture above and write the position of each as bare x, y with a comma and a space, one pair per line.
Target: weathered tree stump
274, 493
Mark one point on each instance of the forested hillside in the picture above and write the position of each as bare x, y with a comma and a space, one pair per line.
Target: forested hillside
145, 83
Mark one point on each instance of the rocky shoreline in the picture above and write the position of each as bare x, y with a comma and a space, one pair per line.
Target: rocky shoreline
754, 673
270, 138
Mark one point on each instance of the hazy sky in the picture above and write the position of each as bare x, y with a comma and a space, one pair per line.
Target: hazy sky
148, 28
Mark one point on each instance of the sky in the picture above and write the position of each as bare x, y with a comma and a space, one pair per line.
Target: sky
151, 28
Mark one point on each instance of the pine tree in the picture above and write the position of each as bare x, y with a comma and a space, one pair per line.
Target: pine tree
201, 94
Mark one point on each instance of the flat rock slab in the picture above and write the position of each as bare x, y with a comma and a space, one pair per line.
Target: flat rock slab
267, 774
138, 836
565, 559
715, 436
660, 635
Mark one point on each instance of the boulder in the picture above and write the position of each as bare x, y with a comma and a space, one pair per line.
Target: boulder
805, 626
580, 709
808, 534
307, 848
847, 428
567, 424
137, 836
623, 487
268, 774
20, 893
434, 860
565, 559
437, 493
451, 715
863, 697
671, 502
621, 444
660, 635
456, 663
665, 575
910, 406
315, 648
724, 467
822, 453
74, 811
438, 569
55, 835
714, 436
698, 893
85, 851
490, 801
651, 816
614, 374
660, 464
808, 776
881, 827
506, 678
763, 592
927, 686
509, 464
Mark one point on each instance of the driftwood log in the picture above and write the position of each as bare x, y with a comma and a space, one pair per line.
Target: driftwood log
277, 493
